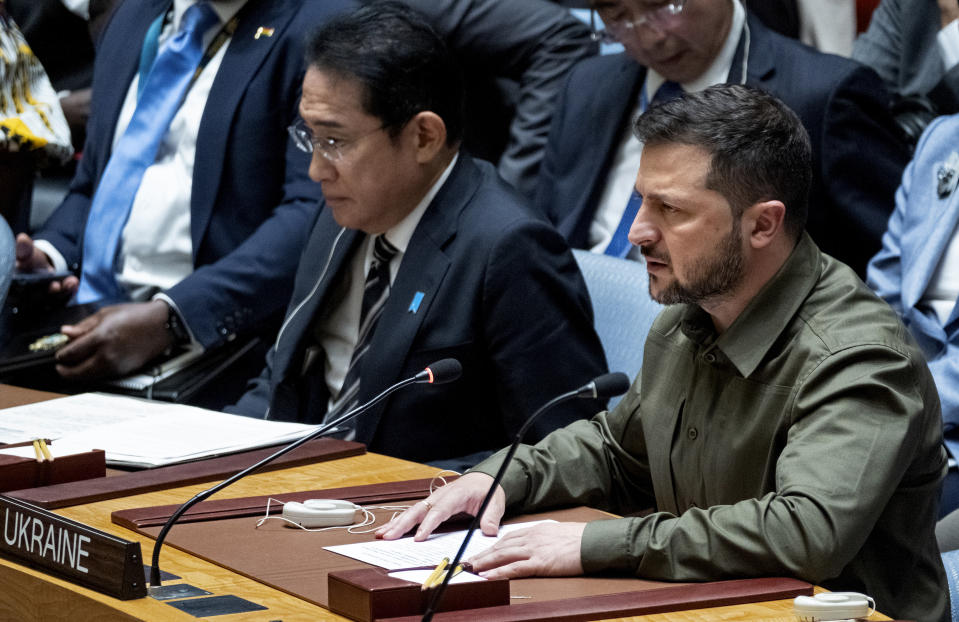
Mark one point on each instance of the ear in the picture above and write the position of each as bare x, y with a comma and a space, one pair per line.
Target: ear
428, 134
763, 222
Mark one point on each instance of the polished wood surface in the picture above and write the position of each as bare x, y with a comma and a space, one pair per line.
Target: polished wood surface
15, 396
26, 594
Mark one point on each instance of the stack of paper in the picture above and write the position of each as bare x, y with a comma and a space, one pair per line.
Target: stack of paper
137, 432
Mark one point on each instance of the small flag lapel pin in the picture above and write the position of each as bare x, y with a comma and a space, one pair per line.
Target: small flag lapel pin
263, 31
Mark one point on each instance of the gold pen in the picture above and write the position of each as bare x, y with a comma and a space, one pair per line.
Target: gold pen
459, 568
46, 450
440, 579
438, 571
36, 450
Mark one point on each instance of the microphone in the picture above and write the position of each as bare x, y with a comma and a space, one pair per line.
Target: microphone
603, 387
440, 372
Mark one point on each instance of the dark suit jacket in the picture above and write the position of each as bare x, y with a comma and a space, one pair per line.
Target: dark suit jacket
502, 294
901, 45
857, 156
252, 201
515, 56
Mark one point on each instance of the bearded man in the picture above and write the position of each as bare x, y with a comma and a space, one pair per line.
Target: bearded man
783, 423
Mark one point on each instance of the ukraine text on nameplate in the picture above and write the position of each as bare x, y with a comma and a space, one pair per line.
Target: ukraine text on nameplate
71, 550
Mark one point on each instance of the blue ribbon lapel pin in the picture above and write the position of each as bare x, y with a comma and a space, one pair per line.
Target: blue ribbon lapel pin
415, 302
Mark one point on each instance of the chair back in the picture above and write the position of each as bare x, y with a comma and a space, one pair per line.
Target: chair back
950, 559
622, 308
7, 258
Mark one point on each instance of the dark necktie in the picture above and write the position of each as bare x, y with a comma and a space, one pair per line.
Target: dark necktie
136, 150
375, 294
667, 90
619, 244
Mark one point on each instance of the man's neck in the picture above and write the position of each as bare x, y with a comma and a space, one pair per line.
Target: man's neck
760, 269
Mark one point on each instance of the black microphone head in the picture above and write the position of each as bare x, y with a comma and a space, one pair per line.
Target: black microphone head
444, 370
610, 385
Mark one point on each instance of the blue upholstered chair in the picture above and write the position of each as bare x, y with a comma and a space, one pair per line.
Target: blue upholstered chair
950, 559
622, 308
7, 258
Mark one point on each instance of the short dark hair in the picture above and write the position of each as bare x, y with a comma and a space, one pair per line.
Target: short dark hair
759, 148
402, 64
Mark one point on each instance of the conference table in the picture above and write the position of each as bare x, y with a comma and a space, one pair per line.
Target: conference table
28, 594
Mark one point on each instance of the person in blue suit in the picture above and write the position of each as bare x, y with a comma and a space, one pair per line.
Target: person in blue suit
221, 215
419, 253
591, 158
917, 270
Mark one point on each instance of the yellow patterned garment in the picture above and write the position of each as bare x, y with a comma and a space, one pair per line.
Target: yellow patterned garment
30, 114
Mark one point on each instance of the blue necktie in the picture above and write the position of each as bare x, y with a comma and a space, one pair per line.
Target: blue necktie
136, 150
619, 244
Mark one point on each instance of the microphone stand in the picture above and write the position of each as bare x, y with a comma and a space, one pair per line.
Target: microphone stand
590, 390
423, 376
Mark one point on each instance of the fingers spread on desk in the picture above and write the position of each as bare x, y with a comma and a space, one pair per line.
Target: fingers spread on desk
402, 523
464, 495
548, 550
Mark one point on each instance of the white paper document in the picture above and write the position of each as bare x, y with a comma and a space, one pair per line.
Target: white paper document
137, 432
405, 553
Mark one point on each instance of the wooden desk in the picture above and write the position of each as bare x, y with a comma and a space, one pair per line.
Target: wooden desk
26, 594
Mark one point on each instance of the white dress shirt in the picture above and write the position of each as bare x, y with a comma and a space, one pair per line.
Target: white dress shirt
156, 246
943, 289
339, 332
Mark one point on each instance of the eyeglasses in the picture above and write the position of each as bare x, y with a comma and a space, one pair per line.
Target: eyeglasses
620, 23
330, 148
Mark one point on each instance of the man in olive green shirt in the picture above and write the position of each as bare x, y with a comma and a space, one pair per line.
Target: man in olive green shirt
783, 423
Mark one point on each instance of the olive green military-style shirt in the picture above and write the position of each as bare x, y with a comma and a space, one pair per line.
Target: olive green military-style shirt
803, 441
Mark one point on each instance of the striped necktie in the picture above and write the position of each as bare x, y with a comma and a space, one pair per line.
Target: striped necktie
165, 87
375, 294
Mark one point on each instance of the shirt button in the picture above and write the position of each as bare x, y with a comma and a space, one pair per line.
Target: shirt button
692, 433
710, 357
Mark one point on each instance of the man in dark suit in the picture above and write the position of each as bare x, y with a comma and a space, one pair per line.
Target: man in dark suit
419, 253
586, 178
517, 55
222, 213
914, 47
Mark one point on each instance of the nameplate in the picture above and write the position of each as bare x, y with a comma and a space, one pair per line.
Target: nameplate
71, 550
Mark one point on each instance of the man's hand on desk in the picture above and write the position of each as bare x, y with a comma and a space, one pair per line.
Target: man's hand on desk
546, 550
464, 495
114, 341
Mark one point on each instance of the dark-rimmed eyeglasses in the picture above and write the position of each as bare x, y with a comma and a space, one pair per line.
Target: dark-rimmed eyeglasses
622, 23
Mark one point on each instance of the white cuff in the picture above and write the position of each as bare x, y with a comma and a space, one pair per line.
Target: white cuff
193, 342
59, 263
948, 39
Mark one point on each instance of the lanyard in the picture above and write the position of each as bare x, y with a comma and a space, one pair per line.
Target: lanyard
151, 46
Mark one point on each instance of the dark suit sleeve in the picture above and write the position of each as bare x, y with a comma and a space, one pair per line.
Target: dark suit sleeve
64, 228
254, 280
881, 46
544, 199
255, 402
861, 162
534, 43
539, 327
